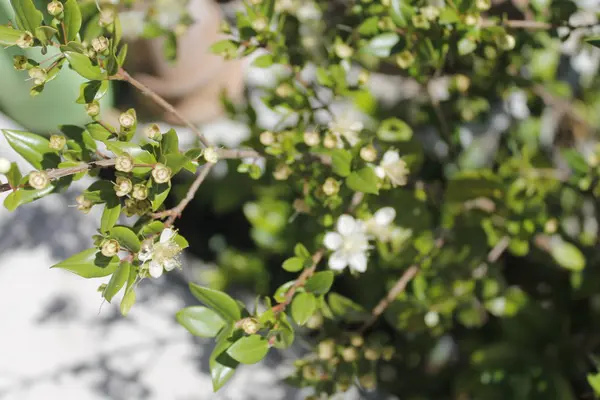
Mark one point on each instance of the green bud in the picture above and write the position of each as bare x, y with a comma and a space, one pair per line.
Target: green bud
92, 109
110, 248
20, 63
57, 142
161, 173
55, 8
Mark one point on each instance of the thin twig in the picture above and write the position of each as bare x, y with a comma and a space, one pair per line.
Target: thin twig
124, 75
176, 211
519, 24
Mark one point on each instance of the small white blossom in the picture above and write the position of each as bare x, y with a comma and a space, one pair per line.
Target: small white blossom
380, 225
349, 244
392, 167
162, 255
5, 165
347, 127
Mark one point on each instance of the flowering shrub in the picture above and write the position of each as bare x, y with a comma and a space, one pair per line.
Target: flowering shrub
459, 221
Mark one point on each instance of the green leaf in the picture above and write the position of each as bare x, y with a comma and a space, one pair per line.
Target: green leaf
222, 365
151, 228
84, 67
14, 175
9, 35
567, 255
381, 45
284, 334
89, 263
319, 283
110, 216
117, 280
181, 241
594, 41
170, 142
158, 194
301, 251
218, 301
122, 55
340, 162
249, 349
176, 162
72, 19
126, 238
35, 149
281, 291
293, 264
25, 195
594, 379
263, 61
303, 307
45, 34
27, 16
200, 321
224, 46
101, 191
363, 180
345, 308
468, 185
111, 65
127, 302
92, 90
394, 130
401, 12
98, 132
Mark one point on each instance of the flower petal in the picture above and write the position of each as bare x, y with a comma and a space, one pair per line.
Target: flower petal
384, 216
171, 264
358, 262
346, 224
166, 235
390, 156
380, 172
144, 256
333, 240
155, 269
338, 261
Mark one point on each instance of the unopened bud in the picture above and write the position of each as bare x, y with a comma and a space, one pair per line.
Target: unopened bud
92, 109
83, 204
25, 40
368, 153
462, 82
161, 173
405, 59
123, 186
388, 352
20, 63
342, 50
330, 141
260, 24
357, 340
124, 163
139, 192
38, 75
107, 17
309, 373
371, 354
311, 138
472, 19
110, 248
284, 90
211, 155
430, 12
431, 319
368, 381
127, 120
331, 187
363, 77
326, 349
250, 326
153, 132
55, 8
282, 172
420, 21
57, 142
315, 321
100, 44
38, 179
5, 165
483, 5
551, 226
506, 42
349, 354
267, 138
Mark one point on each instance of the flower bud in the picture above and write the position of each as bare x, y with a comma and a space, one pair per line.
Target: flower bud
420, 21
123, 186
83, 204
153, 132
342, 50
284, 90
55, 8
25, 40
100, 44
551, 226
38, 75
311, 138
110, 248
405, 59
38, 179
92, 109
368, 153
20, 63
315, 321
472, 19
309, 373
388, 352
127, 120
483, 5
368, 381
462, 82
430, 12
506, 42
124, 163
282, 172
139, 192
267, 138
326, 349
432, 318
57, 142
349, 354
260, 24
5, 165
250, 326
330, 141
107, 17
357, 340
363, 77
211, 155
331, 187
371, 354
161, 173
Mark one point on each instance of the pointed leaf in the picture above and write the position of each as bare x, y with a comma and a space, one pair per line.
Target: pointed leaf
340, 162
117, 280
9, 35
319, 283
363, 180
293, 264
110, 216
27, 16
89, 263
344, 307
72, 19
158, 194
200, 321
170, 142
35, 149
218, 301
222, 366
249, 349
25, 195
303, 307
126, 237
92, 90
84, 67
127, 302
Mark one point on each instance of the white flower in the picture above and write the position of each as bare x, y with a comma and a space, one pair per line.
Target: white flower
349, 244
393, 167
380, 225
162, 255
347, 127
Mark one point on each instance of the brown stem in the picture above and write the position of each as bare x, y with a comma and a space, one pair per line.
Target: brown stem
518, 24
124, 75
300, 282
176, 211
